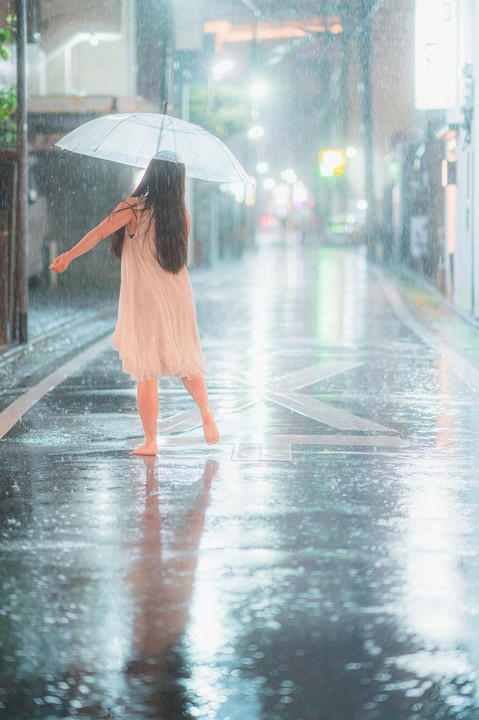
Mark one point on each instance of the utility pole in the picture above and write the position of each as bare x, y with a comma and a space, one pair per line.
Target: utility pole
19, 316
367, 116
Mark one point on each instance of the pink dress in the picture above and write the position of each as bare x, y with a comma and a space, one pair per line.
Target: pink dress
156, 333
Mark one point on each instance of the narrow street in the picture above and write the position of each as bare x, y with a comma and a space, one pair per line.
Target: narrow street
320, 563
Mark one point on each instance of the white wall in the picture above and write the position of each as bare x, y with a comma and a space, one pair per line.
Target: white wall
108, 68
475, 164
100, 70
464, 258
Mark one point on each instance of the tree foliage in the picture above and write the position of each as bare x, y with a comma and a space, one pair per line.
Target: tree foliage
222, 110
8, 95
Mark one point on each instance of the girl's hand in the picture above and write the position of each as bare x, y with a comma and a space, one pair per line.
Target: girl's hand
60, 263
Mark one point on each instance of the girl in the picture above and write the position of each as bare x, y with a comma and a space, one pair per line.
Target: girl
156, 333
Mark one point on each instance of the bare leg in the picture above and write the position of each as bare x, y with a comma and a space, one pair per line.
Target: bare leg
148, 405
198, 392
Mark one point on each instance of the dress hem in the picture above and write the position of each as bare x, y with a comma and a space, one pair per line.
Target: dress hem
135, 374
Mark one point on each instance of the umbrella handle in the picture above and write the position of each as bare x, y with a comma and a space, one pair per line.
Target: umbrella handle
164, 107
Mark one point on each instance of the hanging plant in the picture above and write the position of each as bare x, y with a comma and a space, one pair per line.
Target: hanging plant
8, 95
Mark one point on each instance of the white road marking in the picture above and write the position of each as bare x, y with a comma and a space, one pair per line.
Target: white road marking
313, 374
280, 392
351, 440
323, 413
271, 448
19, 407
276, 451
191, 419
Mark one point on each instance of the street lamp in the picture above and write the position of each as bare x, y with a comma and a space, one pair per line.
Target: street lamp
222, 67
258, 89
255, 132
262, 167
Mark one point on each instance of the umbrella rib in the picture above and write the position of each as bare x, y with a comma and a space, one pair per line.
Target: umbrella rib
176, 146
192, 145
113, 128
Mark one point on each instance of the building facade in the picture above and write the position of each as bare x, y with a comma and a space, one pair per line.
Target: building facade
433, 194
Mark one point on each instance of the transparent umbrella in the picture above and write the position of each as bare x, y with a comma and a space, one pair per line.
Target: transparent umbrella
137, 138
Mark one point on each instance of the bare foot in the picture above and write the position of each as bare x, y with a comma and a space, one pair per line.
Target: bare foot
209, 428
148, 448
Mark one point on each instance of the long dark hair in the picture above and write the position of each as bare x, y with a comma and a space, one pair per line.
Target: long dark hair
162, 189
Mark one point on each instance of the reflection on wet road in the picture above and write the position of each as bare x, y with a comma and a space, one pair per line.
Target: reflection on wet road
321, 562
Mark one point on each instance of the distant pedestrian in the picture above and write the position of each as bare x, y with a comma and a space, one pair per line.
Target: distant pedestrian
156, 332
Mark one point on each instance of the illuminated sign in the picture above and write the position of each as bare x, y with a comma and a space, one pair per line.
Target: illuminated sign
436, 54
332, 162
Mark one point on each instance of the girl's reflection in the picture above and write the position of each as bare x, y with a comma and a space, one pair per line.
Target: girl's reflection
162, 579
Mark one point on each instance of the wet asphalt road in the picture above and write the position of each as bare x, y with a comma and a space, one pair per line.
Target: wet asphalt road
320, 563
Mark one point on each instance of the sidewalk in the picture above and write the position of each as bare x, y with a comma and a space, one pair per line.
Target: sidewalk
62, 323
320, 562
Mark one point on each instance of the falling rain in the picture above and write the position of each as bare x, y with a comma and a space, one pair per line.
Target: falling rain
239, 359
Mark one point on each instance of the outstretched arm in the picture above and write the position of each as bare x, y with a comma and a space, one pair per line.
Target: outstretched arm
120, 216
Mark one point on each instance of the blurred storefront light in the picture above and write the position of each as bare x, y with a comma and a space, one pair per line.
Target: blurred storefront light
435, 55
394, 170
269, 183
332, 162
351, 152
269, 221
255, 132
258, 89
250, 193
362, 204
289, 175
236, 189
262, 167
224, 66
92, 38
241, 192
282, 196
299, 195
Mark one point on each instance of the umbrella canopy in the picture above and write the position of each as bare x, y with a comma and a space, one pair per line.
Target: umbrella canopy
137, 138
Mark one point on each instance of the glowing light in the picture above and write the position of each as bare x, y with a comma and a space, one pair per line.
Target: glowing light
238, 190
336, 29
258, 89
250, 193
269, 183
289, 175
362, 204
351, 152
255, 132
282, 193
269, 221
93, 40
300, 194
224, 66
435, 56
332, 162
351, 219
262, 167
